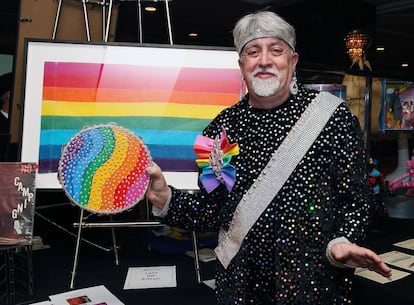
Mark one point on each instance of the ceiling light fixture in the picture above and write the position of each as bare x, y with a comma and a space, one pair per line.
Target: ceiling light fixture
150, 8
193, 34
357, 42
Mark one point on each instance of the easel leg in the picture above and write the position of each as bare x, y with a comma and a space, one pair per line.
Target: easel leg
75, 260
29, 262
57, 19
108, 20
148, 207
196, 258
85, 13
114, 244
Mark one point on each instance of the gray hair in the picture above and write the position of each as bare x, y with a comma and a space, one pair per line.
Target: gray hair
263, 24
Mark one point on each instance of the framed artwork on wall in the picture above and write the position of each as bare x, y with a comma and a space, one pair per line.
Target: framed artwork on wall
398, 106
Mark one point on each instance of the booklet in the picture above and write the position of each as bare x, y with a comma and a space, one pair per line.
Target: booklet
97, 295
17, 202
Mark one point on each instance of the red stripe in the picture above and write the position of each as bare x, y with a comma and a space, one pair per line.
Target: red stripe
87, 75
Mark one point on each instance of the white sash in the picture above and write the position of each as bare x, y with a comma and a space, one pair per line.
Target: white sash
281, 165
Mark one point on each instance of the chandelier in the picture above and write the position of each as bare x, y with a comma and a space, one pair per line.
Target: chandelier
357, 42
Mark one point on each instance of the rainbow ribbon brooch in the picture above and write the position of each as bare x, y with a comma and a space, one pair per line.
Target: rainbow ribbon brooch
214, 157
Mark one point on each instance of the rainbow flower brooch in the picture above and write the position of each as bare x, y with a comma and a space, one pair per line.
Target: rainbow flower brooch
214, 157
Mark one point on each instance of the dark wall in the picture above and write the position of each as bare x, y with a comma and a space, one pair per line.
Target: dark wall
321, 25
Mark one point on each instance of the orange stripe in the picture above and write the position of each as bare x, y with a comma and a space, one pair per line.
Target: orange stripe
125, 95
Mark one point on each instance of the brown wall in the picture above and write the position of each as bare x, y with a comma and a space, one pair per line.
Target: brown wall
37, 20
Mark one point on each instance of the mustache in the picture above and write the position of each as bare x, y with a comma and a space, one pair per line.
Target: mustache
264, 70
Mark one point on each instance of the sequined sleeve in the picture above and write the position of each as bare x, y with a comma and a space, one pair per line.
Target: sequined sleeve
353, 210
195, 211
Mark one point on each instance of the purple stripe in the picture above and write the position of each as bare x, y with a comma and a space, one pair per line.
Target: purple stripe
177, 165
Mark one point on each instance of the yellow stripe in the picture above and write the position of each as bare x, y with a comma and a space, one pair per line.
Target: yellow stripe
54, 108
104, 172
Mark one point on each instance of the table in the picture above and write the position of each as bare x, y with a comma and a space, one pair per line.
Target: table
381, 239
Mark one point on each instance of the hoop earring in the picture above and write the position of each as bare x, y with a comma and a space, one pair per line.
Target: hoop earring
294, 85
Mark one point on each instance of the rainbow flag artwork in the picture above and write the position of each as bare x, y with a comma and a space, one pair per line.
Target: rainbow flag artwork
167, 106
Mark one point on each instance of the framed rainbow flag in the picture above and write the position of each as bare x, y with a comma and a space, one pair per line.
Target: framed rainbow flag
165, 94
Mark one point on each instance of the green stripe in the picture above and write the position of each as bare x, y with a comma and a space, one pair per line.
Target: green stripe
58, 122
104, 155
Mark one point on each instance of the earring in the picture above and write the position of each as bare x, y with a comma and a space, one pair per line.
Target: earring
294, 85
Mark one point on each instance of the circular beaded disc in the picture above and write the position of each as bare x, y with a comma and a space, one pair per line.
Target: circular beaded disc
102, 169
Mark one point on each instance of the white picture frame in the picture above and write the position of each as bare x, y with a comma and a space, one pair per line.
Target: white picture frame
209, 76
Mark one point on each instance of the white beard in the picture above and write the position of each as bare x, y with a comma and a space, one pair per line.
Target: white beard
265, 87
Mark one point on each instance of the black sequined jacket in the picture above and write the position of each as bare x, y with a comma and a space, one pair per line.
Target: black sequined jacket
282, 260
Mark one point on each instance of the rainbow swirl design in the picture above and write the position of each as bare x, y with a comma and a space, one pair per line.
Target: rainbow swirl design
102, 169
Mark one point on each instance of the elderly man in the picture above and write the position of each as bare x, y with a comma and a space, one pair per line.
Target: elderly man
291, 218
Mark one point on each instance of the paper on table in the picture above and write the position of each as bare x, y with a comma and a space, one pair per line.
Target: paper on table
373, 276
399, 259
210, 283
407, 244
42, 303
151, 277
97, 295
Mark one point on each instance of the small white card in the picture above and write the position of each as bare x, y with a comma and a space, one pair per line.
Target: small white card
406, 244
151, 277
373, 276
399, 259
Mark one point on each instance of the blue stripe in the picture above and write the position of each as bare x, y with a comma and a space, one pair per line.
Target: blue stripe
156, 151
150, 137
